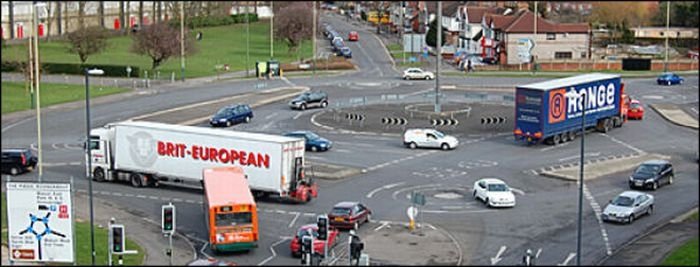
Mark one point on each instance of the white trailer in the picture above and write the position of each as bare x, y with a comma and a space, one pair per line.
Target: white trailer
148, 153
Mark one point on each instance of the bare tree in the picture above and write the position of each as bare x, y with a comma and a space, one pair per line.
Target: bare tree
88, 41
140, 13
160, 41
59, 18
294, 24
81, 14
122, 21
101, 13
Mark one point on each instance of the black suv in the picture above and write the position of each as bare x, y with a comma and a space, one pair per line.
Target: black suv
17, 160
651, 174
309, 99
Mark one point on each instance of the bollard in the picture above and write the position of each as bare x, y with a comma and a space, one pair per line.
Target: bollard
133, 84
172, 77
116, 84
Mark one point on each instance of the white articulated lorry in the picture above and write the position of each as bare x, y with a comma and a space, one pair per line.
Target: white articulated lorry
148, 153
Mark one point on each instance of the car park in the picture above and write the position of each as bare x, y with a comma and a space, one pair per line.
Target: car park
417, 73
313, 141
17, 161
628, 206
429, 138
349, 215
319, 245
231, 115
345, 52
493, 192
636, 110
309, 99
669, 78
652, 174
353, 36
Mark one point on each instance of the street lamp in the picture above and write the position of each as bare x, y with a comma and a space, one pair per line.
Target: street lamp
35, 26
88, 159
574, 96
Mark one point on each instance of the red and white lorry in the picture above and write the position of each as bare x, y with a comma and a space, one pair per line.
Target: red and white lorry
148, 153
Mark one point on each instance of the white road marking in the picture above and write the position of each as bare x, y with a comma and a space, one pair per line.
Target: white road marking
281, 211
557, 146
498, 258
296, 216
287, 81
381, 226
537, 255
309, 214
272, 249
567, 260
517, 191
202, 251
298, 115
371, 193
342, 150
598, 211
641, 152
15, 124
413, 187
269, 117
153, 197
578, 156
694, 110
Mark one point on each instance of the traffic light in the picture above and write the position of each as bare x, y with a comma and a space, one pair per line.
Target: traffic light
306, 249
168, 218
117, 232
322, 223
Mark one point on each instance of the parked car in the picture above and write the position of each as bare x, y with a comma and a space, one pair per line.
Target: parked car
313, 141
414, 138
345, 52
309, 99
17, 160
493, 192
416, 73
232, 114
319, 245
628, 206
636, 110
651, 174
669, 78
353, 36
349, 214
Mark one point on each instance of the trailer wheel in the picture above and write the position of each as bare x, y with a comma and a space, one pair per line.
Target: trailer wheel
556, 139
99, 175
136, 180
572, 136
564, 137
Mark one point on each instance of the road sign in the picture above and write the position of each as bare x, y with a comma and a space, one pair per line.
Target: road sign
412, 212
418, 198
40, 227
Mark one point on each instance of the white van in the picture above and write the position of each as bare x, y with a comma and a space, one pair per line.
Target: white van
413, 138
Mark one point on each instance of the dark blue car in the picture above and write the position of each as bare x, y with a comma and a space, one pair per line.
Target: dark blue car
669, 79
313, 141
346, 52
231, 115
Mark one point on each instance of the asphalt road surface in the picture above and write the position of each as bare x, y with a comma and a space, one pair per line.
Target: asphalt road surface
543, 220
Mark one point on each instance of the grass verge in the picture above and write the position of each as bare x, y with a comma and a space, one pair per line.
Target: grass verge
220, 45
82, 245
16, 98
686, 254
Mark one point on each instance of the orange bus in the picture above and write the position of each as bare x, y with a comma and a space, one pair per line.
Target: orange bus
230, 210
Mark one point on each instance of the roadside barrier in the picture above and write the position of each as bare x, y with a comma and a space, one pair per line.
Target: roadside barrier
492, 120
444, 122
394, 121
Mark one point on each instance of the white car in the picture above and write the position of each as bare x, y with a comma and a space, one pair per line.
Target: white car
628, 206
494, 193
414, 138
416, 73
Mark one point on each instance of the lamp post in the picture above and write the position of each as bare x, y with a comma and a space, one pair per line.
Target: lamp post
272, 22
35, 27
182, 40
247, 40
439, 56
88, 159
668, 20
572, 96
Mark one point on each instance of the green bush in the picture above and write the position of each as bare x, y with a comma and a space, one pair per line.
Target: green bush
78, 69
200, 22
12, 66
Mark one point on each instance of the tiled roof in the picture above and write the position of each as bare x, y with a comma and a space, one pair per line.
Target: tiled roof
525, 24
449, 8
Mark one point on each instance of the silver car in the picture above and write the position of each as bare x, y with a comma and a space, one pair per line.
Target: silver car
628, 206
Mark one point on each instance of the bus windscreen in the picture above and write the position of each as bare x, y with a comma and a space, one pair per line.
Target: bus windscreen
233, 219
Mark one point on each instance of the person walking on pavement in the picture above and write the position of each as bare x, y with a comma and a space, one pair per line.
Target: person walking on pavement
470, 68
528, 259
356, 247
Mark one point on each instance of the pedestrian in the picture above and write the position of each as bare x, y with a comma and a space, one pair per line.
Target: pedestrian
528, 259
199, 36
470, 68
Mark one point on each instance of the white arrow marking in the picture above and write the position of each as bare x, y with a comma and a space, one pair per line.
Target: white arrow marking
568, 259
496, 259
371, 193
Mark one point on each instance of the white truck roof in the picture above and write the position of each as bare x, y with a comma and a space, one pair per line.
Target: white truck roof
209, 131
569, 81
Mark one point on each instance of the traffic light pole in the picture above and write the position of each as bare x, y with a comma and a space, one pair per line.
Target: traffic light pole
109, 242
170, 248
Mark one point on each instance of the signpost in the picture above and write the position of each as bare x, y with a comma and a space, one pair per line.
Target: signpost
40, 227
416, 199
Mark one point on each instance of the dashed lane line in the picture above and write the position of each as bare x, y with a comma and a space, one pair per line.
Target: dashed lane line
296, 216
379, 166
597, 210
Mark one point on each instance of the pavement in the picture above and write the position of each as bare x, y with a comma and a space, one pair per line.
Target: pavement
654, 247
675, 115
144, 232
601, 167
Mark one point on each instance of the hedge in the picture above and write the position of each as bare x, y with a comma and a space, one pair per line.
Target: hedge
198, 22
72, 68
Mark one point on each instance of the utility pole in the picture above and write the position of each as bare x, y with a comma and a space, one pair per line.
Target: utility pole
272, 38
313, 46
668, 20
182, 40
247, 41
439, 56
403, 27
37, 81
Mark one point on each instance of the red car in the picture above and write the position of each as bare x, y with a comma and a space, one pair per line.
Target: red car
349, 215
353, 36
295, 245
636, 110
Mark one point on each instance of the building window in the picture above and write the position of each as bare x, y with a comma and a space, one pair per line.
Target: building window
583, 54
551, 36
562, 55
